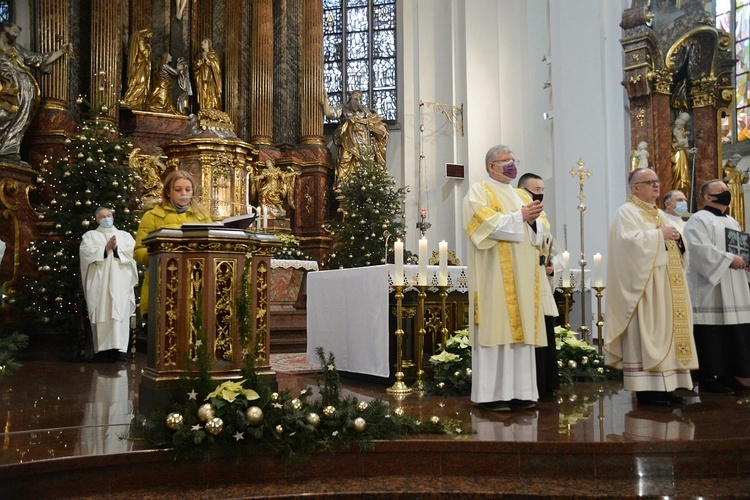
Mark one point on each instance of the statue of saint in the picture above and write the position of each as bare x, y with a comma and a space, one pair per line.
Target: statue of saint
361, 134
639, 157
162, 82
150, 168
208, 77
274, 187
19, 92
681, 172
139, 69
734, 178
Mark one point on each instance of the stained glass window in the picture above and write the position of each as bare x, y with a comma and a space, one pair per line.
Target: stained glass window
733, 16
5, 12
359, 49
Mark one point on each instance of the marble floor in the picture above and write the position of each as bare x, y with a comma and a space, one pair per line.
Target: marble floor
55, 409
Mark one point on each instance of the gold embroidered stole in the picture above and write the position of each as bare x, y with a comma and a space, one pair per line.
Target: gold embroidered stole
680, 312
506, 267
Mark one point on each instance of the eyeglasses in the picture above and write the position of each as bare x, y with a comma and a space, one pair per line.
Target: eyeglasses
651, 183
505, 163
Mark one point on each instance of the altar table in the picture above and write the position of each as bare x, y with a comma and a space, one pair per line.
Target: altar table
349, 313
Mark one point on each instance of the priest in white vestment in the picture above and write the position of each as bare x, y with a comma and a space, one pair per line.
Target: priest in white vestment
531, 188
504, 288
109, 275
718, 283
675, 206
648, 323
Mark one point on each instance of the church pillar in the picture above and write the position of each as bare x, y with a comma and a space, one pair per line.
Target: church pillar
311, 82
47, 131
106, 56
261, 73
287, 61
140, 14
705, 126
234, 72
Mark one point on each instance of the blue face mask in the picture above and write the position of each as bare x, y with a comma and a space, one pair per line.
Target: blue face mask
681, 207
107, 222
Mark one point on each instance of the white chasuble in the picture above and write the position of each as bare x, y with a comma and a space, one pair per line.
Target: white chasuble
648, 325
720, 295
108, 285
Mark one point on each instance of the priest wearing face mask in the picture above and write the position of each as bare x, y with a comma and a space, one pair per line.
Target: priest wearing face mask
177, 207
531, 188
508, 318
718, 284
675, 206
109, 275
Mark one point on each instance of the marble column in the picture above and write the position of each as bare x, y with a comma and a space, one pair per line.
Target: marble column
233, 70
311, 82
261, 73
106, 55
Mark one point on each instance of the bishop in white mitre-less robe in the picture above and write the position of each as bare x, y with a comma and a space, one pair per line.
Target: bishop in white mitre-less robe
504, 294
109, 279
648, 325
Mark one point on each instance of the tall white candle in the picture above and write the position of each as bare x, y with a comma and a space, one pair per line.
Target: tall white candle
566, 269
265, 217
398, 259
443, 261
422, 280
598, 280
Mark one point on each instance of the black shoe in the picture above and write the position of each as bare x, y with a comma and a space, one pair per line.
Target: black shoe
654, 398
733, 384
522, 404
713, 385
495, 406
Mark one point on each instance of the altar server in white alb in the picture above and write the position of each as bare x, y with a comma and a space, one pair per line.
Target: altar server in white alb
718, 284
648, 330
504, 286
109, 275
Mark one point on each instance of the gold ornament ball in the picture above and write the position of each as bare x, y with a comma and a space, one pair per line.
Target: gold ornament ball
115, 183
399, 411
313, 419
362, 405
174, 421
435, 419
85, 223
296, 403
206, 412
360, 424
254, 415
572, 364
274, 396
215, 426
87, 203
329, 411
457, 373
279, 429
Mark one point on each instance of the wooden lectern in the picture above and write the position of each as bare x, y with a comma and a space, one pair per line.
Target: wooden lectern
198, 269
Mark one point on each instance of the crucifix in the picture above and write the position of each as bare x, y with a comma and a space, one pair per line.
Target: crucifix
582, 176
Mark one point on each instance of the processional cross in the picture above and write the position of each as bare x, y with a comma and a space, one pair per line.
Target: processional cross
582, 176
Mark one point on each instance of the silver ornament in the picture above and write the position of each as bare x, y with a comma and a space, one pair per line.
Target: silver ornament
359, 424
254, 415
174, 421
206, 412
215, 426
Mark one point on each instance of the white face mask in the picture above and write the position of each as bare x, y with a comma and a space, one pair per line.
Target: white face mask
106, 222
681, 207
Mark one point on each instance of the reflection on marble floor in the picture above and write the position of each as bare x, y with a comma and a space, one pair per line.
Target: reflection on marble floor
57, 408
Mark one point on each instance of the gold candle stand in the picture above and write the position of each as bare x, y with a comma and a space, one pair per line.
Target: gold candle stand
399, 387
600, 316
443, 314
567, 293
422, 294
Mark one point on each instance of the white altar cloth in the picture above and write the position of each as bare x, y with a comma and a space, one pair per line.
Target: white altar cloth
348, 313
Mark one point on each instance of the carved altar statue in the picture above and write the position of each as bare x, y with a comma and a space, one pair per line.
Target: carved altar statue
150, 169
639, 157
208, 77
274, 187
19, 92
362, 133
681, 170
735, 178
139, 69
162, 83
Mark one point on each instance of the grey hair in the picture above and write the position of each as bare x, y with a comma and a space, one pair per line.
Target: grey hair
492, 153
96, 214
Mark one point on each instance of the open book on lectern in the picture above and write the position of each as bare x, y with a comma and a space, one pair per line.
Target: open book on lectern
738, 243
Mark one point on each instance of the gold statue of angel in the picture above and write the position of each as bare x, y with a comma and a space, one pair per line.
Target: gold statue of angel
150, 169
273, 187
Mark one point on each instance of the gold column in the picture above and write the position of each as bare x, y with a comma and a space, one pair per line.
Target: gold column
311, 81
232, 60
261, 73
201, 21
106, 55
52, 32
140, 14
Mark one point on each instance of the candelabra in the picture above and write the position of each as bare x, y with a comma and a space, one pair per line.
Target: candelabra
582, 176
567, 293
399, 387
422, 294
600, 316
443, 314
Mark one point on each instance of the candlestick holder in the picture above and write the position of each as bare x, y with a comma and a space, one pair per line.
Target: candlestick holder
419, 386
399, 387
600, 316
584, 329
567, 293
443, 291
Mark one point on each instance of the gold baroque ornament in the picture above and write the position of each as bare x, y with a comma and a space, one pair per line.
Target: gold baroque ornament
170, 313
224, 300
640, 116
662, 80
704, 92
196, 285
261, 304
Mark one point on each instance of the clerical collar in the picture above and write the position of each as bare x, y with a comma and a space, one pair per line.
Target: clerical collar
642, 204
496, 182
715, 211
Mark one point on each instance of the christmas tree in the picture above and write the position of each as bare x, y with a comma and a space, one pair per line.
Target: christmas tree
93, 173
371, 209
